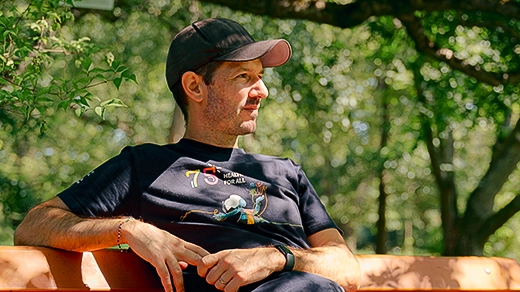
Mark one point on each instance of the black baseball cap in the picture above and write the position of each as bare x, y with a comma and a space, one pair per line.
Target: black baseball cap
219, 39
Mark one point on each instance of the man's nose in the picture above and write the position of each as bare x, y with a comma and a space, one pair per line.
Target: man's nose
259, 90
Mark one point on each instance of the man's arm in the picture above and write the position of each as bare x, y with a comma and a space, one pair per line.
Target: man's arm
328, 257
52, 224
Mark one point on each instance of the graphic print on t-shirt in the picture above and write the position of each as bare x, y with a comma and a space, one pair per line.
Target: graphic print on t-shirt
235, 205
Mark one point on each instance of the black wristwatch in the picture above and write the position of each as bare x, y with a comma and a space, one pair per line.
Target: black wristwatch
289, 257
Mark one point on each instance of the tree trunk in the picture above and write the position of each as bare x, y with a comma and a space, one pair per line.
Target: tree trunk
442, 169
382, 233
441, 156
448, 195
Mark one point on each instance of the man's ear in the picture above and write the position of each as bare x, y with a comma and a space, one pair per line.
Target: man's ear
193, 85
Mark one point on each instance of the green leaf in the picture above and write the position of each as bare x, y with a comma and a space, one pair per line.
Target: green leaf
63, 105
114, 102
82, 81
100, 111
89, 96
44, 99
93, 96
122, 69
79, 112
128, 76
125, 73
117, 82
44, 90
86, 63
82, 101
43, 128
99, 70
133, 78
116, 64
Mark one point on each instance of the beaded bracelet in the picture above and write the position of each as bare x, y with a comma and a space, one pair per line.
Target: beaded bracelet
119, 229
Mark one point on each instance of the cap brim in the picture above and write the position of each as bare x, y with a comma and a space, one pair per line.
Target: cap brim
271, 53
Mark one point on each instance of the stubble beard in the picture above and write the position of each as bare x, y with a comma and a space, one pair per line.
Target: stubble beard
221, 118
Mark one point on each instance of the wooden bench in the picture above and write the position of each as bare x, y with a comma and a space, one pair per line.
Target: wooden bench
44, 269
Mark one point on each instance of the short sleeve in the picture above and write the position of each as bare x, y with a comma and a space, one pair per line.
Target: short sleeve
106, 191
314, 215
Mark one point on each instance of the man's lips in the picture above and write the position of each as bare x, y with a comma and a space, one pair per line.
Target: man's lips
251, 107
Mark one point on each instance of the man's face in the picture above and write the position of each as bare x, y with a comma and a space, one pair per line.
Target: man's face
234, 97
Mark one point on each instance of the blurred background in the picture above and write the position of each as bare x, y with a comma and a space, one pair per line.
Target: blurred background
404, 114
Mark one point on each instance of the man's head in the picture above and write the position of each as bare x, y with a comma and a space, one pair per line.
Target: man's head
199, 45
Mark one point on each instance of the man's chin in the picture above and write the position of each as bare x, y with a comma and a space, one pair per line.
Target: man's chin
248, 127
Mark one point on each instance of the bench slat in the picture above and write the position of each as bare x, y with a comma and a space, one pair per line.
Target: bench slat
25, 268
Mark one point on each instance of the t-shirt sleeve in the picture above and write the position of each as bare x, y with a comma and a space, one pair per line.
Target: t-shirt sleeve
106, 191
314, 215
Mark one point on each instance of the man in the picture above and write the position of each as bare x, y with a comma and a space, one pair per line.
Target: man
211, 216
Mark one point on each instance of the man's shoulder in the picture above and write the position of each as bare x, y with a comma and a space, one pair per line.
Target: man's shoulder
272, 159
146, 147
149, 152
274, 165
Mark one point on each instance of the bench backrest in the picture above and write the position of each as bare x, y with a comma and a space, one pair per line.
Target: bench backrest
38, 268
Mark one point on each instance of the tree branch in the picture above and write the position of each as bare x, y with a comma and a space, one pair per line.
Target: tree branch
502, 24
435, 157
353, 14
430, 48
500, 218
500, 167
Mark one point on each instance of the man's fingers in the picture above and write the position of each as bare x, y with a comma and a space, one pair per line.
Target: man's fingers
206, 263
164, 274
176, 274
232, 285
192, 254
196, 249
166, 252
218, 273
183, 265
190, 257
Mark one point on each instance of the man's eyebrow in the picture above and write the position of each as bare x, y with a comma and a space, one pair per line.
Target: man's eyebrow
244, 68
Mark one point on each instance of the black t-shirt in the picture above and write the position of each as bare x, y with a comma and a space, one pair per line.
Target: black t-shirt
218, 198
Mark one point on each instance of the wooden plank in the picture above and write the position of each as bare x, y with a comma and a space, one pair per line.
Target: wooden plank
412, 273
44, 269
37, 268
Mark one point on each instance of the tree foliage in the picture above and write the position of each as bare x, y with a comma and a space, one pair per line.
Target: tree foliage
465, 68
32, 44
416, 100
43, 70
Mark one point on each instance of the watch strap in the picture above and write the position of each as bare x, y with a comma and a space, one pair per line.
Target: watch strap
289, 257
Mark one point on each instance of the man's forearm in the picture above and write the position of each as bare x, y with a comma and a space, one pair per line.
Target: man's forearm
55, 227
334, 262
231, 269
52, 224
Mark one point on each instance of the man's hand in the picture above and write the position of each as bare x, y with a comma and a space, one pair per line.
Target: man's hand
58, 227
229, 270
166, 252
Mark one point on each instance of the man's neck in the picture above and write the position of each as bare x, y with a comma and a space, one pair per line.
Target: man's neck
212, 139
